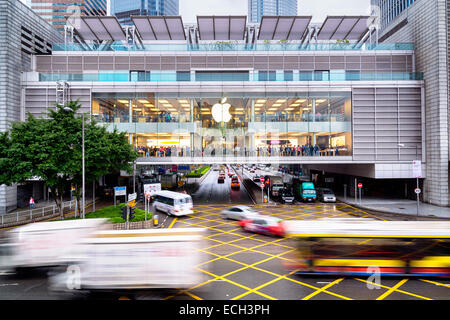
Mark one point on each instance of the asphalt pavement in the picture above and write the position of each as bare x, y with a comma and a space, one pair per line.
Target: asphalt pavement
210, 191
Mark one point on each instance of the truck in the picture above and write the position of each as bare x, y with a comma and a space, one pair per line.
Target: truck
275, 185
133, 260
45, 244
304, 191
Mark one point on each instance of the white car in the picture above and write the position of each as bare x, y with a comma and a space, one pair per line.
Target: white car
239, 213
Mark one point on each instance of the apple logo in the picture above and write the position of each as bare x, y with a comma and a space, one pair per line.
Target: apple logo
221, 111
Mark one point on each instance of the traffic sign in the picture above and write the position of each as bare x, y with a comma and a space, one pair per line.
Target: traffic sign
417, 191
262, 185
261, 179
360, 185
132, 196
132, 203
417, 169
120, 191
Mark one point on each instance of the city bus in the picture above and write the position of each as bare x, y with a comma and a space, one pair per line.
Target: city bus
355, 246
173, 203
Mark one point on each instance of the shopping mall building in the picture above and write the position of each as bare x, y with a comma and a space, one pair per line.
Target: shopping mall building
326, 97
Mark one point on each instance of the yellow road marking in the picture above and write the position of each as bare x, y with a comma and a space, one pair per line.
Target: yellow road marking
323, 289
397, 290
436, 283
394, 288
173, 222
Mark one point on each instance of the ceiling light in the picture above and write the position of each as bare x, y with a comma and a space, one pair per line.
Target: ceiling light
289, 109
295, 105
321, 100
143, 101
300, 101
123, 101
163, 101
183, 101
186, 105
261, 101
273, 109
276, 105
281, 100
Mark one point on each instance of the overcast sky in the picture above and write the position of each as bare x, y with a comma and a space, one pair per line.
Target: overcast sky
319, 9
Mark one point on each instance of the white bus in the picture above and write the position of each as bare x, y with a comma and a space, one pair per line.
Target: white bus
173, 203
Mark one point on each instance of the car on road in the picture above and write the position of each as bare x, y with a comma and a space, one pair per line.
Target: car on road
257, 179
230, 174
287, 196
221, 178
235, 184
264, 225
325, 195
239, 213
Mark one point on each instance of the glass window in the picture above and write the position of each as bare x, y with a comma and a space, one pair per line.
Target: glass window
306, 75
267, 76
288, 75
321, 75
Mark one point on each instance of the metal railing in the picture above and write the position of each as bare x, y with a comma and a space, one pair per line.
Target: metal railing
220, 46
30, 214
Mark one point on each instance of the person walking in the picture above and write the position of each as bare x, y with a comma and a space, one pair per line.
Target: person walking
31, 203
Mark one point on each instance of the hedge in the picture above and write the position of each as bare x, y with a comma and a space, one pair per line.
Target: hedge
198, 173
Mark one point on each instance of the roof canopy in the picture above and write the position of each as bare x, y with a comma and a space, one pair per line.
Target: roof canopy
159, 27
221, 27
341, 27
98, 28
283, 27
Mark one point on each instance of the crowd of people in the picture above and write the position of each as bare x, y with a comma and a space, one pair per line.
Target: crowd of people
291, 151
266, 151
168, 151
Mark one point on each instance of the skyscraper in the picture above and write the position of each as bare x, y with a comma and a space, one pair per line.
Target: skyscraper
259, 8
56, 12
124, 9
389, 10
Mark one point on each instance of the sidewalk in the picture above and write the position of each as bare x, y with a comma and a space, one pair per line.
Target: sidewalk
398, 206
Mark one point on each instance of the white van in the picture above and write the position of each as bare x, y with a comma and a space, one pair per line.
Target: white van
173, 203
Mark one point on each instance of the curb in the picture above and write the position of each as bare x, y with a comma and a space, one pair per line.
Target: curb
393, 213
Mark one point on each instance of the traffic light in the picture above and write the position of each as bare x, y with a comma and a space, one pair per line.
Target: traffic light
124, 213
132, 213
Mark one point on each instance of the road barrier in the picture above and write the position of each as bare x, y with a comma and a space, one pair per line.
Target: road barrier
36, 214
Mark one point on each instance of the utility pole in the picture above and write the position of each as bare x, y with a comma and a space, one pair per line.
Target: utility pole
83, 173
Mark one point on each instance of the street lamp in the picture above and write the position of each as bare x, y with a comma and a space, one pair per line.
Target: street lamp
83, 169
401, 145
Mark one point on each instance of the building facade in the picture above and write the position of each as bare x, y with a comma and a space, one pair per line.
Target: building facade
388, 10
23, 33
56, 12
259, 8
124, 9
334, 108
426, 24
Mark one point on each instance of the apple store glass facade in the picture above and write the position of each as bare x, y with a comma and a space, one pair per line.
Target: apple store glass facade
313, 124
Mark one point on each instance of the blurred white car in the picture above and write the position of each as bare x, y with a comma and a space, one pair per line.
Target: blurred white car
239, 213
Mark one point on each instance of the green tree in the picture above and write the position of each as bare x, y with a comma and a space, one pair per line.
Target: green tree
51, 149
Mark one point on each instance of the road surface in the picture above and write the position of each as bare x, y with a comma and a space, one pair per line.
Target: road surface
211, 192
